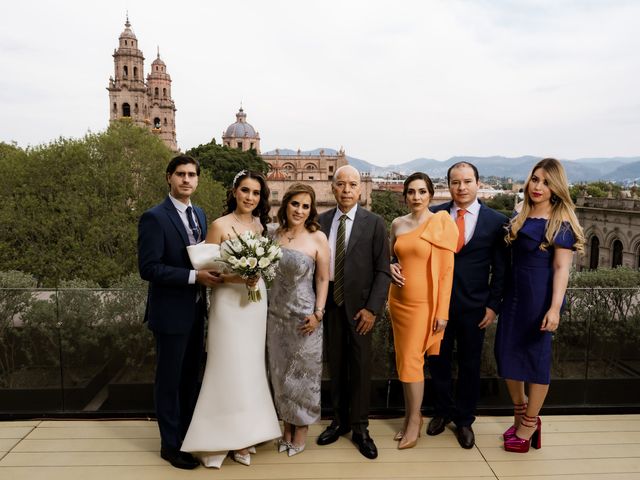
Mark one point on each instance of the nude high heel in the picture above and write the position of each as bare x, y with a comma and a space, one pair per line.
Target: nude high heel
411, 444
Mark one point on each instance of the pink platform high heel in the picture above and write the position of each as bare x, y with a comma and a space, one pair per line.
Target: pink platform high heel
521, 445
519, 409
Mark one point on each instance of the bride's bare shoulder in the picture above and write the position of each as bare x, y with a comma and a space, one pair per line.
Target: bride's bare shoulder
220, 227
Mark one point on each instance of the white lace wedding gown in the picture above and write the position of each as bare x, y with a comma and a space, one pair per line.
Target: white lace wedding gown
234, 408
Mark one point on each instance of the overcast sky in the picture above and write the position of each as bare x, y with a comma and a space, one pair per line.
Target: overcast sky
390, 81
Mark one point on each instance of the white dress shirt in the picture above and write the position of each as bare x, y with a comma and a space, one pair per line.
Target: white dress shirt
181, 208
470, 218
333, 235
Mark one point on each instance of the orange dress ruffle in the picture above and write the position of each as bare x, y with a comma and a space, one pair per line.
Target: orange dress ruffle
426, 255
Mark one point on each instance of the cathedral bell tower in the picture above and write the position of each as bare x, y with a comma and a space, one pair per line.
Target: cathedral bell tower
147, 104
161, 107
127, 90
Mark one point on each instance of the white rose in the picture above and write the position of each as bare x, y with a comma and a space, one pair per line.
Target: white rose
232, 260
264, 262
260, 251
253, 261
243, 262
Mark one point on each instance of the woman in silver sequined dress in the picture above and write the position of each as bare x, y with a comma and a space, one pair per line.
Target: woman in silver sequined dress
294, 328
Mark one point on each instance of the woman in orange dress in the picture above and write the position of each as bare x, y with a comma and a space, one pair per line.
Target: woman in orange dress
424, 244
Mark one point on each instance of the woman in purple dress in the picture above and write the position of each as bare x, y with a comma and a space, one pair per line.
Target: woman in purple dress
543, 235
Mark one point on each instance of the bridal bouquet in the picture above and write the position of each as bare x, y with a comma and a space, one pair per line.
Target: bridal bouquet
250, 255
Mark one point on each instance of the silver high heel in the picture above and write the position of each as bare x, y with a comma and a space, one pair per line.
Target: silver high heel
294, 450
244, 459
283, 445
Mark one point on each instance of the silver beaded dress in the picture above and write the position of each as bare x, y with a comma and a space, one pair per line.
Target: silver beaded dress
294, 358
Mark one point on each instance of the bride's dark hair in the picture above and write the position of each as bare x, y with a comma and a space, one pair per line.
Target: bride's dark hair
262, 210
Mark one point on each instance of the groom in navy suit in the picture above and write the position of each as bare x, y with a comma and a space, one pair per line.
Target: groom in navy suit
478, 279
176, 303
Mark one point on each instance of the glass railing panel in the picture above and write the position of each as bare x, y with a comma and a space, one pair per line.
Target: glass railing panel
132, 352
30, 367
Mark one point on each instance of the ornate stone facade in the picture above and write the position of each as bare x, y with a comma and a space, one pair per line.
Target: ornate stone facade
314, 170
148, 104
612, 232
284, 170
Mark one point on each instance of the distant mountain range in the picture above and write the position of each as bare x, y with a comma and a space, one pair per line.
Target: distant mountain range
615, 169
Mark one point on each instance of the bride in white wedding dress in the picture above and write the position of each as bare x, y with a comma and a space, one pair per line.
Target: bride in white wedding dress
235, 410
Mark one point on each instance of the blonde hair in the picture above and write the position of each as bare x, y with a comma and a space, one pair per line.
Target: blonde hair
562, 207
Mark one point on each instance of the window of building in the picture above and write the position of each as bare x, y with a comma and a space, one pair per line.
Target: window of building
125, 71
331, 168
251, 146
616, 253
135, 108
239, 145
311, 177
594, 254
330, 177
165, 121
115, 107
156, 122
156, 92
274, 194
164, 92
126, 110
135, 73
125, 42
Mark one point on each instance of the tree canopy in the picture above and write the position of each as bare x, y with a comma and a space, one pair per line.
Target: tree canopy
595, 189
71, 207
223, 162
388, 205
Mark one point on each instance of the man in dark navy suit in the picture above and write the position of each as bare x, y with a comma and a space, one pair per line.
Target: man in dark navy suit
478, 279
176, 303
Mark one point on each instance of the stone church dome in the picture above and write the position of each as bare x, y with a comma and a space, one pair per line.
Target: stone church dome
240, 128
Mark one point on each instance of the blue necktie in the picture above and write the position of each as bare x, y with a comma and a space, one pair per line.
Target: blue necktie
194, 228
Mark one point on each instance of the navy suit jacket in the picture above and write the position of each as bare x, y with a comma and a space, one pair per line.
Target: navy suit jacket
366, 265
479, 268
163, 261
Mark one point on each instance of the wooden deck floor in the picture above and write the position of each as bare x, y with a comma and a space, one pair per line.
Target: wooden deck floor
574, 447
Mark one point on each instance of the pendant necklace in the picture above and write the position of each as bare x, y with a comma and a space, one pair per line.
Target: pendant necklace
291, 236
240, 221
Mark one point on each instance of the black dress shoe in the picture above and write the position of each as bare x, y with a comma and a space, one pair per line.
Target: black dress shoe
179, 459
331, 434
365, 445
437, 425
465, 437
